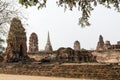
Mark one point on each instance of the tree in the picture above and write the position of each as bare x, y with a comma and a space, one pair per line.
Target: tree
8, 11
85, 6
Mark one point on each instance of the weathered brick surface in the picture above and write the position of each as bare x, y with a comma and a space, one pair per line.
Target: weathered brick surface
33, 43
99, 72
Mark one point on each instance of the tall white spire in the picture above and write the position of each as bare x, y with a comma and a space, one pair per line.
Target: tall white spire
48, 47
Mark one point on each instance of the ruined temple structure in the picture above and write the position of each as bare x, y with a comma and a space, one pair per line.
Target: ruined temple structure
115, 46
48, 47
70, 55
33, 43
100, 44
107, 45
63, 55
77, 45
16, 42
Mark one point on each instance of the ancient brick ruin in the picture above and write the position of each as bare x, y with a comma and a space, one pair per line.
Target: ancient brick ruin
16, 42
116, 46
17, 50
48, 47
100, 43
63, 55
64, 62
33, 43
77, 45
107, 45
76, 56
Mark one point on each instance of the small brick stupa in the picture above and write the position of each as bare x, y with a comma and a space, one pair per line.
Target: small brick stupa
77, 45
16, 42
33, 43
100, 44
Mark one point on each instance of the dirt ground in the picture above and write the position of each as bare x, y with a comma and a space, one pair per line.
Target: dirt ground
25, 77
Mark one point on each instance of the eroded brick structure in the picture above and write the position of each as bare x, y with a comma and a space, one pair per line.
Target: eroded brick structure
16, 42
77, 45
100, 44
116, 46
33, 43
107, 45
69, 55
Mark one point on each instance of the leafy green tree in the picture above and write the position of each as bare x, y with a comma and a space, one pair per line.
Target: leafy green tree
85, 6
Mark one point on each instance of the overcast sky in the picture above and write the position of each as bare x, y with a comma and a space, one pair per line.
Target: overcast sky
64, 29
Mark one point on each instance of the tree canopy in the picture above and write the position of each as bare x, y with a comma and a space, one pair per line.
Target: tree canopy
85, 6
8, 10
